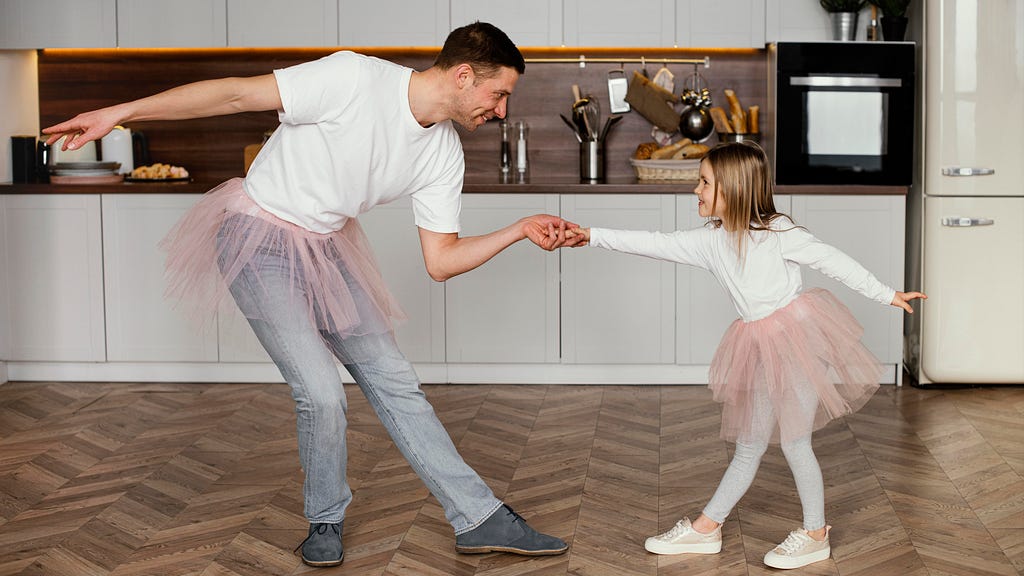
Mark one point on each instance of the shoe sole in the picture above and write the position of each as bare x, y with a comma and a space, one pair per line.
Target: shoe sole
323, 563
669, 549
506, 549
788, 563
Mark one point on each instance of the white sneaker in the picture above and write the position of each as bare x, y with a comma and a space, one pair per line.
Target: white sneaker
798, 550
683, 539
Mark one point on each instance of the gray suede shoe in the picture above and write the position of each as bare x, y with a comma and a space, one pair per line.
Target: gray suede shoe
506, 531
323, 545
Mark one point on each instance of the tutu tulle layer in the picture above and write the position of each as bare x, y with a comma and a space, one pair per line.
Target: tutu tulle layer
793, 371
226, 233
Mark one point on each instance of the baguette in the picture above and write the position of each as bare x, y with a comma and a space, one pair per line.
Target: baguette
739, 125
736, 110
666, 152
691, 151
752, 113
721, 120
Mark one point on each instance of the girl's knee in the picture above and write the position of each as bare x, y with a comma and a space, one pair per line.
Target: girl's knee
801, 447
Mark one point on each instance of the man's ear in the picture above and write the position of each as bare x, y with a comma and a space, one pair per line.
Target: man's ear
464, 76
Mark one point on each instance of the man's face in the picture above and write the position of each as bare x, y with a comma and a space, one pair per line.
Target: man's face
480, 99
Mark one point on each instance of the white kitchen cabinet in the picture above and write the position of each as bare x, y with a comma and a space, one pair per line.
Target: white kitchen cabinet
871, 230
142, 325
803, 21
395, 241
704, 308
51, 278
180, 24
613, 23
58, 24
531, 23
618, 308
393, 22
720, 24
276, 23
506, 310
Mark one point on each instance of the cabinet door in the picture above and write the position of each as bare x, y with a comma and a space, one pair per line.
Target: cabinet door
803, 21
639, 23
870, 229
720, 24
704, 308
507, 309
396, 244
618, 308
531, 23
180, 24
51, 278
393, 22
141, 325
276, 23
58, 24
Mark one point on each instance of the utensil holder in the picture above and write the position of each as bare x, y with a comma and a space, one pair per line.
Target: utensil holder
592, 161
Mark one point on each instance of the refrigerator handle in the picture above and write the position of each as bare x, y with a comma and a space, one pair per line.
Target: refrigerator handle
963, 171
963, 222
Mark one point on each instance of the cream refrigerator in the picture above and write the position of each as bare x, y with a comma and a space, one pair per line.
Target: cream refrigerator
966, 218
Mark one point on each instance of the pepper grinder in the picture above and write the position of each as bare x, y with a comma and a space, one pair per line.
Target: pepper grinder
522, 167
505, 163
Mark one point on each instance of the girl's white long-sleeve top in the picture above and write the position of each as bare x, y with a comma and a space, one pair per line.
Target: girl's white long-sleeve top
767, 279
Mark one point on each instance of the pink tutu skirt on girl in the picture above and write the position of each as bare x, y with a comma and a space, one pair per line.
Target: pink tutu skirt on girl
797, 369
226, 232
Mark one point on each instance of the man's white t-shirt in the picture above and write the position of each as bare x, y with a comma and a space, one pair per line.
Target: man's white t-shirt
348, 141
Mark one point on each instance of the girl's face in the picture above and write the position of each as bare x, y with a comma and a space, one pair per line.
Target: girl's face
705, 192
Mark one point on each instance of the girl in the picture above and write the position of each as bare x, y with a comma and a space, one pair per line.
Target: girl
790, 364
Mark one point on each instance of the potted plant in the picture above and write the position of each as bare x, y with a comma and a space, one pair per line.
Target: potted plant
843, 14
894, 18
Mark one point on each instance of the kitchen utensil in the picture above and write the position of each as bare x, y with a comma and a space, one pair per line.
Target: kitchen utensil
608, 125
592, 116
695, 123
591, 161
572, 127
617, 86
739, 137
116, 146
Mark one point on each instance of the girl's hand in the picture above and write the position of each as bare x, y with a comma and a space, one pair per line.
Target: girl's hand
83, 128
902, 299
583, 235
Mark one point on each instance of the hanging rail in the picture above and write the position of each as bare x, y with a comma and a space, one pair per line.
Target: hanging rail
582, 60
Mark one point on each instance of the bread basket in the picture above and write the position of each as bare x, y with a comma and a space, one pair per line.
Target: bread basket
688, 170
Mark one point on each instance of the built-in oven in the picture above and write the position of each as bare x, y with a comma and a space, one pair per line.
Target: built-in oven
843, 112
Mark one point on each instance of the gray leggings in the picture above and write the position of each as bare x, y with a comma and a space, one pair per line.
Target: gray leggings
747, 459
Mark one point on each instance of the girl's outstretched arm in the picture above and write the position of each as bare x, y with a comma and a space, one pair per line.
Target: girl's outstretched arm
902, 299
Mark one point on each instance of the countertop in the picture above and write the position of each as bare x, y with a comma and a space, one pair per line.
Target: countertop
473, 185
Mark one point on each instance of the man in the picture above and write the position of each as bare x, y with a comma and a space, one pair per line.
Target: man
355, 132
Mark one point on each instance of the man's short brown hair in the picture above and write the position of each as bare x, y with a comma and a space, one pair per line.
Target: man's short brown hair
483, 46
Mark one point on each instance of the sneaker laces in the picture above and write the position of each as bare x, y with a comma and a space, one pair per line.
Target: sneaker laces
794, 542
318, 530
681, 527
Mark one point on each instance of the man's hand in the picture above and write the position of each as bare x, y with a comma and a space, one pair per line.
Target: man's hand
549, 232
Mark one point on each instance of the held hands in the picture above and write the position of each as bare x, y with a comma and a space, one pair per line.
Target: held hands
83, 128
550, 232
902, 299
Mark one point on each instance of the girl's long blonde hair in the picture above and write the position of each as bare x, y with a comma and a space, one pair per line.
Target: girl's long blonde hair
743, 180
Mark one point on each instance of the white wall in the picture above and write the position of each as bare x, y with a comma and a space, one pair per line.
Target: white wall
19, 102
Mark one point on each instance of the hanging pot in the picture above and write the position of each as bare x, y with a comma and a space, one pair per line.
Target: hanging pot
695, 123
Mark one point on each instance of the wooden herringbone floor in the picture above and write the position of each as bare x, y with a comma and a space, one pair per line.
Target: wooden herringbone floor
152, 479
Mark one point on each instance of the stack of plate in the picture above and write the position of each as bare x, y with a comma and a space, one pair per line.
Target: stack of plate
85, 173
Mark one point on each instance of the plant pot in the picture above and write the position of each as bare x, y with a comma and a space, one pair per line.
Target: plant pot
844, 25
894, 28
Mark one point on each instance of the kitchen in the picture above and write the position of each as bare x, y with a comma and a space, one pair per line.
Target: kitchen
122, 332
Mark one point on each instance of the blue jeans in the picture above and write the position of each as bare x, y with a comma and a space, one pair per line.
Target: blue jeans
306, 356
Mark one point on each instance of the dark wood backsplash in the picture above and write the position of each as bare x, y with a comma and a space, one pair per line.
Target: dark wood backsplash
74, 81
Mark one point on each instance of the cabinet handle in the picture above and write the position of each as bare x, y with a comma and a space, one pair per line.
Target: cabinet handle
963, 171
962, 222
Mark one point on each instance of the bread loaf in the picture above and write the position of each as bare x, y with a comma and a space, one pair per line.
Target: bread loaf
736, 110
644, 150
721, 120
752, 113
666, 152
691, 151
